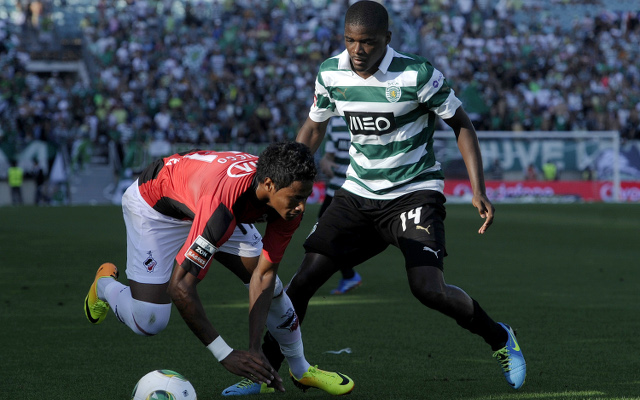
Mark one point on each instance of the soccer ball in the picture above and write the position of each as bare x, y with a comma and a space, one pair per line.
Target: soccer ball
163, 384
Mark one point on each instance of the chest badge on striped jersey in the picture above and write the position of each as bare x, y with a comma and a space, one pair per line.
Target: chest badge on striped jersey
393, 93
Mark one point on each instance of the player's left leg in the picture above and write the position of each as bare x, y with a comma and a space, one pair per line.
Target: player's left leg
428, 285
284, 329
343, 237
418, 230
282, 322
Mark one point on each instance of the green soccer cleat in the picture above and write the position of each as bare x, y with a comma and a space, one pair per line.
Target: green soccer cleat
333, 383
246, 387
511, 360
95, 309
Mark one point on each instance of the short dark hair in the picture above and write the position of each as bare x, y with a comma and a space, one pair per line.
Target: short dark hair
368, 13
285, 163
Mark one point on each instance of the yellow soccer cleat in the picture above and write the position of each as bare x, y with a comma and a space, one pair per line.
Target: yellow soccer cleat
95, 309
333, 383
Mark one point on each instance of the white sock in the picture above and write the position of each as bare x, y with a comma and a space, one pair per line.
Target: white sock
102, 286
297, 365
143, 318
283, 324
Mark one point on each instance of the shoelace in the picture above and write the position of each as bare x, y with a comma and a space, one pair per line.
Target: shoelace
99, 306
326, 376
244, 383
503, 358
315, 370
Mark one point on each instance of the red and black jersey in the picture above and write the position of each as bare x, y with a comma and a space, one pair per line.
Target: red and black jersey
215, 190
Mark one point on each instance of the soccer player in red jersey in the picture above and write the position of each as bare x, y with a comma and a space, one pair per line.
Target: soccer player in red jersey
190, 208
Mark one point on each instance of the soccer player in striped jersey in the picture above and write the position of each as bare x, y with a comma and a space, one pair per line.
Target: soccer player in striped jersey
188, 209
393, 194
334, 163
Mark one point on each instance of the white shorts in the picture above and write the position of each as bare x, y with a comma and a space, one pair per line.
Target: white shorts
153, 240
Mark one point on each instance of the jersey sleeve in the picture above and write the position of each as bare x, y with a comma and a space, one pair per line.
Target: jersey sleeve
212, 226
323, 106
277, 237
435, 92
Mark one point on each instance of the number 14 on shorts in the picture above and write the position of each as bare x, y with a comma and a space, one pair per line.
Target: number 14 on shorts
411, 215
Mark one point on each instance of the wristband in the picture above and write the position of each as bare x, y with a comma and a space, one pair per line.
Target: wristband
219, 348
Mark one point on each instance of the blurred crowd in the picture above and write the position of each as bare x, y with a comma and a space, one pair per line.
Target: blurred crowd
525, 68
242, 71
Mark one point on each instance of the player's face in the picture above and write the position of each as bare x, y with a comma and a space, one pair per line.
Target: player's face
366, 48
291, 201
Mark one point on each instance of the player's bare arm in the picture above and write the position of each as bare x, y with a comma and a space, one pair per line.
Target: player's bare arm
248, 364
261, 286
312, 133
470, 149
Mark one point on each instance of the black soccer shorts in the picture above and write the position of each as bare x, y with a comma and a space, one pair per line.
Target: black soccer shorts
354, 229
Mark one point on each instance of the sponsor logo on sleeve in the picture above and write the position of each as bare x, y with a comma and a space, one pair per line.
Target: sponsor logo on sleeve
438, 81
201, 252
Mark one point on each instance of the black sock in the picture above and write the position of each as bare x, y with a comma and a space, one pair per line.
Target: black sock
481, 324
348, 273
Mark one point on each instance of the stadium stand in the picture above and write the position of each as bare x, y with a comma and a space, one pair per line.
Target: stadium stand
129, 80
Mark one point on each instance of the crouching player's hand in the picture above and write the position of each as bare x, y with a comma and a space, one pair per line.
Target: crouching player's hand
253, 366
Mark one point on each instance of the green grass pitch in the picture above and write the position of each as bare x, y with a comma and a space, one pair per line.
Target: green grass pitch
566, 277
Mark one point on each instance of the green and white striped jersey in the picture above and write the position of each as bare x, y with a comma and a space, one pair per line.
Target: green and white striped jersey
338, 141
391, 117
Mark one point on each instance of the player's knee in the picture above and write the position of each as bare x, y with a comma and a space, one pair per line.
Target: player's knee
150, 318
430, 296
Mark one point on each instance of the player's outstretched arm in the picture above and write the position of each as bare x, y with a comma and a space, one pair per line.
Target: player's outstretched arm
470, 150
312, 133
261, 286
248, 364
